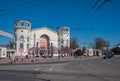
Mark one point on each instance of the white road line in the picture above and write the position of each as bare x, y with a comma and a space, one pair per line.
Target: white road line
36, 69
52, 67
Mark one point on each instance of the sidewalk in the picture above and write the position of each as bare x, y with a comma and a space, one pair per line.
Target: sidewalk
42, 60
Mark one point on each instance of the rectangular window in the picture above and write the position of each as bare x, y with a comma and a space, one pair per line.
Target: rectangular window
15, 46
67, 41
27, 45
22, 23
15, 38
0, 51
62, 41
21, 45
27, 39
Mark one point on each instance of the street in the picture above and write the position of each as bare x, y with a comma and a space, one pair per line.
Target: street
96, 69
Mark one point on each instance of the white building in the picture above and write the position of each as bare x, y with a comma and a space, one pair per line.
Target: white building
92, 52
2, 52
89, 52
39, 41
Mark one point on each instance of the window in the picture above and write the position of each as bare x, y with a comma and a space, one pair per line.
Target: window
67, 42
15, 38
3, 52
27, 39
15, 45
27, 45
0, 50
22, 23
62, 41
28, 24
67, 30
22, 37
21, 45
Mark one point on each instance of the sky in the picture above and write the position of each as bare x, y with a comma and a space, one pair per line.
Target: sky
86, 19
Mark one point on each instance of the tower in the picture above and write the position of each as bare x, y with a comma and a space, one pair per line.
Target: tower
63, 36
22, 37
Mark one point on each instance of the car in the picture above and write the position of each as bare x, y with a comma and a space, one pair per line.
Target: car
108, 56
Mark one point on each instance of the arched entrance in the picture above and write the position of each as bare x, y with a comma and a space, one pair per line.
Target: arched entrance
44, 41
44, 45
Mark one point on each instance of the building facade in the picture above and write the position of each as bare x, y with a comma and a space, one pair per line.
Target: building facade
40, 41
2, 52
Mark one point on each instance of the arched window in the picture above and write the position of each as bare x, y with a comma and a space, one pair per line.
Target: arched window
21, 37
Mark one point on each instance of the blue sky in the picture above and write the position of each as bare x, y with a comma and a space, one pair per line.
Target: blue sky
105, 22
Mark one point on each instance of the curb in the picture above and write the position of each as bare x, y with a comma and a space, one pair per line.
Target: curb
50, 61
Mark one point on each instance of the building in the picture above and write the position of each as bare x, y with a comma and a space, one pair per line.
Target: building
89, 52
2, 52
40, 41
93, 52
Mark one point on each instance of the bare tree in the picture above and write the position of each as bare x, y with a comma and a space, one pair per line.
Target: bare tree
10, 45
42, 51
102, 44
74, 43
116, 49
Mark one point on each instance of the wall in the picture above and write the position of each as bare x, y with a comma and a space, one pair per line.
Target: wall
2, 52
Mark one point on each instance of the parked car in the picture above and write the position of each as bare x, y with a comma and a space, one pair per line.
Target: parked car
108, 56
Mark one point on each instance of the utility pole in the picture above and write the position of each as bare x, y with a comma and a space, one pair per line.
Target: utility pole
34, 48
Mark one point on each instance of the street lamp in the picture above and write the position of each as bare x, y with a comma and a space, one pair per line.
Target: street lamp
34, 48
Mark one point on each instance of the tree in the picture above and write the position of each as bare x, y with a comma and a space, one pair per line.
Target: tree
42, 51
73, 43
78, 52
100, 43
83, 50
118, 45
116, 50
10, 45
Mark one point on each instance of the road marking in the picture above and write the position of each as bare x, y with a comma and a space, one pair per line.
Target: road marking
52, 67
36, 69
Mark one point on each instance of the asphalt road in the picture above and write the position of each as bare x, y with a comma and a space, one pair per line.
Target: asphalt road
96, 69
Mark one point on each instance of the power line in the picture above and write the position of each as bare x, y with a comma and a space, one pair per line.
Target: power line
95, 4
101, 5
94, 9
105, 1
26, 6
17, 6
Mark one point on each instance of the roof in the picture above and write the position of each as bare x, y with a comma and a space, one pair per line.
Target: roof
43, 28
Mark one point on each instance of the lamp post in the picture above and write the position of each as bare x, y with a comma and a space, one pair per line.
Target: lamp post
34, 48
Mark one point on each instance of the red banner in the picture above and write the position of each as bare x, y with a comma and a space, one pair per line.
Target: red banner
6, 34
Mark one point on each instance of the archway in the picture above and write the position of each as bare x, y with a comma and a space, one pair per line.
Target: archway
44, 44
